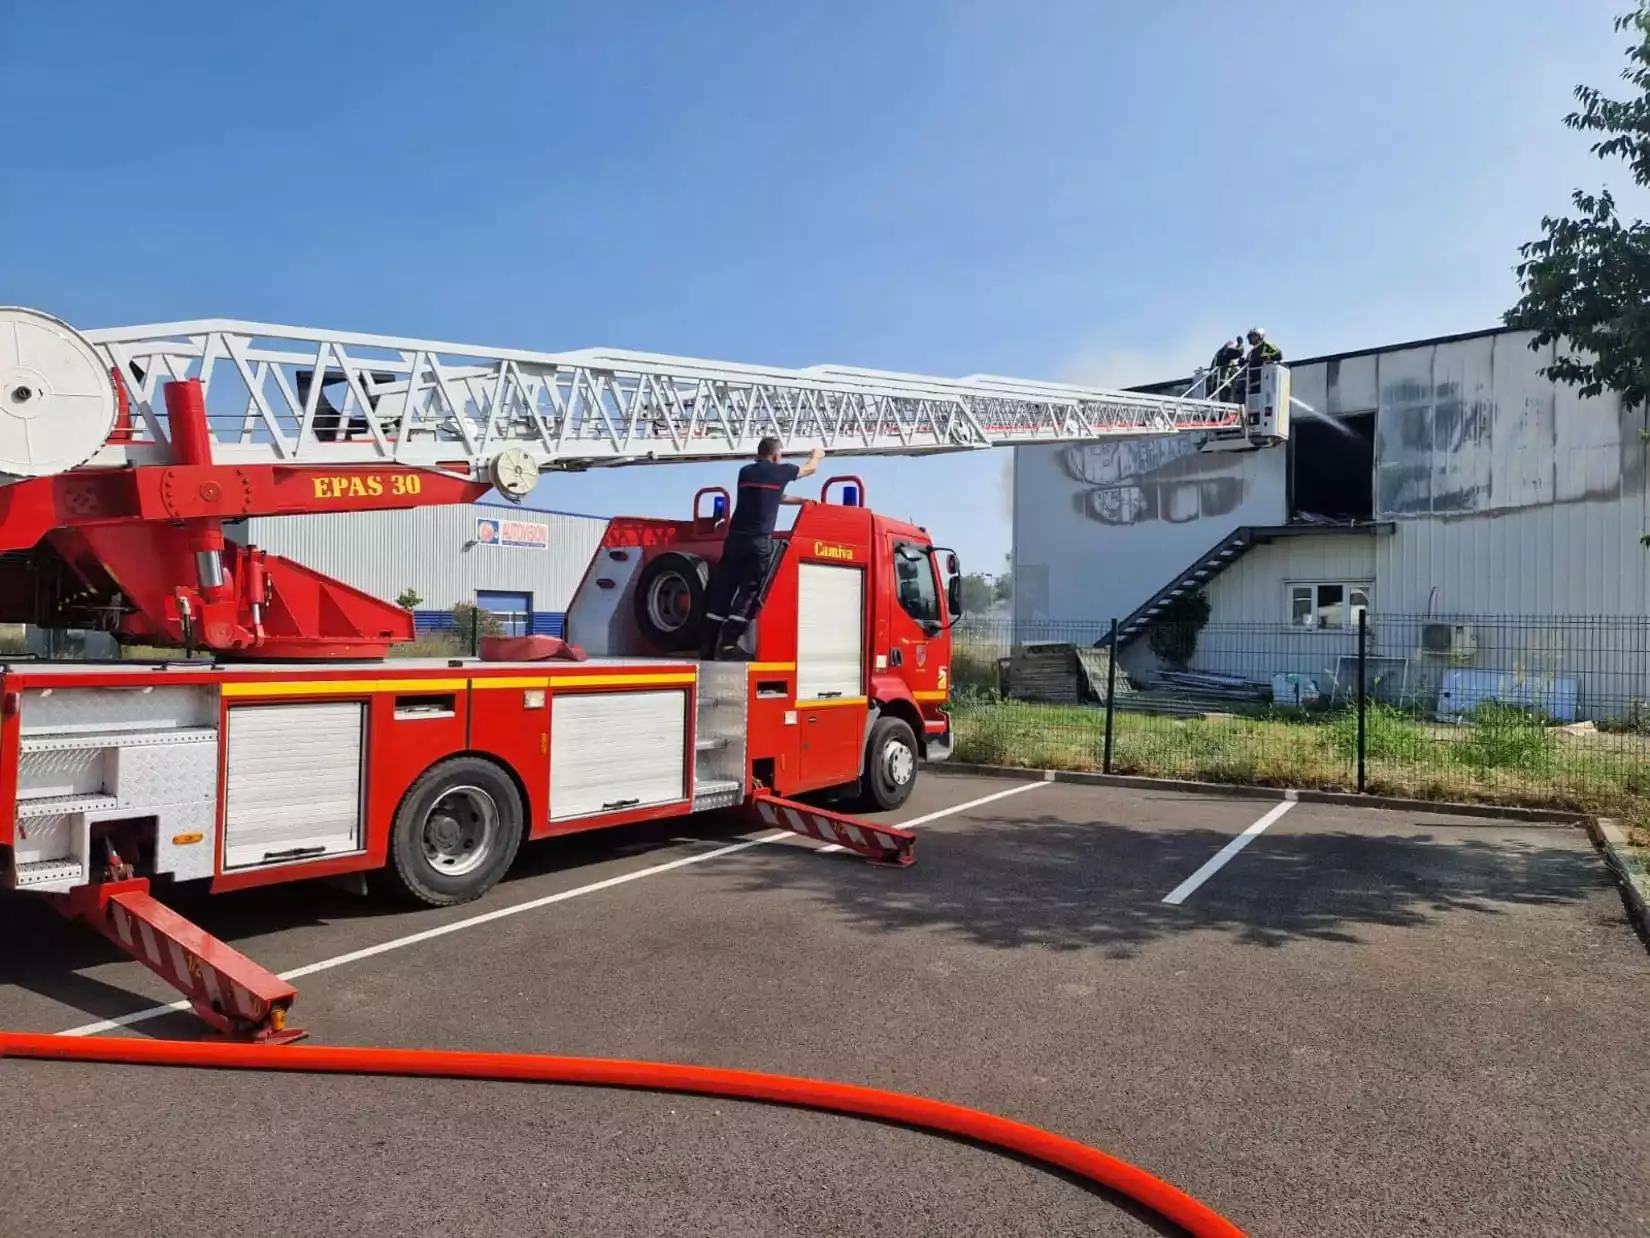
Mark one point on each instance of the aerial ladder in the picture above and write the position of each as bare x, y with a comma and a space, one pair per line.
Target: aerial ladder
125, 451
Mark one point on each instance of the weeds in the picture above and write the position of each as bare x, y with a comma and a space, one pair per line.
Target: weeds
1502, 755
1389, 734
1505, 737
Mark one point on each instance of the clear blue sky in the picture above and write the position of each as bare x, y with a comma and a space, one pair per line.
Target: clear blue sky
1078, 189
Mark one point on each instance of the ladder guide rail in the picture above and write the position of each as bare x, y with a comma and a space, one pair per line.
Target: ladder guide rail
282, 394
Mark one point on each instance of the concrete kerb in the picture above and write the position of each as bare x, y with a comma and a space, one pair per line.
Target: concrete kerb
1612, 841
1350, 799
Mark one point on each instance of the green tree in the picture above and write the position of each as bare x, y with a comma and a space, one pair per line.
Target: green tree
409, 600
977, 593
1587, 281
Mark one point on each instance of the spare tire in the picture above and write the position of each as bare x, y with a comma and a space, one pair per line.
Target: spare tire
670, 600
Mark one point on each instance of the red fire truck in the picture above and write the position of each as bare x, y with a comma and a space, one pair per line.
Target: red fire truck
299, 750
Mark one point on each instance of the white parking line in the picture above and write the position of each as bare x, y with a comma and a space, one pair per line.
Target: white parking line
1187, 888
487, 917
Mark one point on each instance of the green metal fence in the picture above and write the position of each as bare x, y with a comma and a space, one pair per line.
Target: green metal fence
1539, 711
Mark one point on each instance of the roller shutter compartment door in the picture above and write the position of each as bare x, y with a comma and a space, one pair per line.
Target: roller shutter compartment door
830, 637
615, 751
293, 785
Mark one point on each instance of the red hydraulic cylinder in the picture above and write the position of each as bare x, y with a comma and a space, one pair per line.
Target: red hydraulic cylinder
186, 422
192, 445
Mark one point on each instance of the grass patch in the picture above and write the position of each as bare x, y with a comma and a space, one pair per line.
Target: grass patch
974, 671
440, 644
1503, 737
1389, 735
1502, 756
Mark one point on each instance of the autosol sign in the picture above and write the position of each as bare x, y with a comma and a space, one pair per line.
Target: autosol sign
528, 533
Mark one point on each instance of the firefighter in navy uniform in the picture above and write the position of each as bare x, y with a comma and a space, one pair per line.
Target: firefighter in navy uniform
1223, 369
731, 600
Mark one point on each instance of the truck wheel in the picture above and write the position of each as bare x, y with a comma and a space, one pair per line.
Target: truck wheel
455, 834
670, 600
890, 766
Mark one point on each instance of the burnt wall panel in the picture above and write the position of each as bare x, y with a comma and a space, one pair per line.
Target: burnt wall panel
1471, 427
1351, 385
1403, 434
1461, 426
1523, 460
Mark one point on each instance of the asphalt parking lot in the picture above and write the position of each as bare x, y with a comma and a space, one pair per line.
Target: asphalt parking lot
1361, 1022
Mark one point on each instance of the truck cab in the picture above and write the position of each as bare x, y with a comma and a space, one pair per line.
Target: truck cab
848, 662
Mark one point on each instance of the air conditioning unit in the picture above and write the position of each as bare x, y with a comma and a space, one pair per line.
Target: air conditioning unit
1449, 640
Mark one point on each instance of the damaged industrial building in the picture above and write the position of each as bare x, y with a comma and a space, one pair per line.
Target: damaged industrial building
1486, 520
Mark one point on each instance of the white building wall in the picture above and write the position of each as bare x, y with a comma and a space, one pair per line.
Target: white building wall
1556, 559
1514, 577
1248, 633
1256, 589
1099, 528
435, 552
1512, 494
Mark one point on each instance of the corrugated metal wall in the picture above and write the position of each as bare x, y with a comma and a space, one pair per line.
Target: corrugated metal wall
437, 553
1512, 495
1256, 588
1099, 528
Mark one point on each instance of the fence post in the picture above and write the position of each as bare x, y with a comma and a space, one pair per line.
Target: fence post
1363, 662
475, 631
1111, 695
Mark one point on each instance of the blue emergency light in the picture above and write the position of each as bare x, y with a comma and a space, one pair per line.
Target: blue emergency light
850, 496
718, 507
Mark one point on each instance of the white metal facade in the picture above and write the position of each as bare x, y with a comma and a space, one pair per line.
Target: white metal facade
1511, 495
439, 553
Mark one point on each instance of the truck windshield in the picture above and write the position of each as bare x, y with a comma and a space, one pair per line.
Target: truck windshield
914, 582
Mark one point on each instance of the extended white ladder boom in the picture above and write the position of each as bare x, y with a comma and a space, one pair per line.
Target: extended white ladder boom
283, 394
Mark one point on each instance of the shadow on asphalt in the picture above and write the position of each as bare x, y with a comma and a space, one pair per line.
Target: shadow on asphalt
1046, 882
56, 955
1028, 881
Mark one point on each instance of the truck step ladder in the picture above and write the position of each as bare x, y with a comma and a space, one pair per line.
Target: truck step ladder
236, 997
881, 844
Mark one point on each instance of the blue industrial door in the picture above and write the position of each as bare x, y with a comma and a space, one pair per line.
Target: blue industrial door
514, 610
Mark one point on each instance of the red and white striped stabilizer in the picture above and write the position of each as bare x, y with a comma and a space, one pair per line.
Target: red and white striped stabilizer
227, 989
883, 844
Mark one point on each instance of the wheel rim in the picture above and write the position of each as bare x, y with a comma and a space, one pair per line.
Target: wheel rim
899, 763
460, 831
669, 602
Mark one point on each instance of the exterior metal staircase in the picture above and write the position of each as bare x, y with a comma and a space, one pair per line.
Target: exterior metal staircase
1221, 556
1205, 568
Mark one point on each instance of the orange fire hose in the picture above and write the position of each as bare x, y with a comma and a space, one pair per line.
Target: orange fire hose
915, 1111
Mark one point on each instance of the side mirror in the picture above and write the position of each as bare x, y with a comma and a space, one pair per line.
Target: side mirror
950, 565
953, 595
